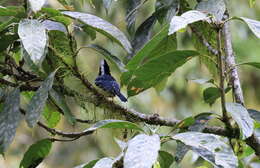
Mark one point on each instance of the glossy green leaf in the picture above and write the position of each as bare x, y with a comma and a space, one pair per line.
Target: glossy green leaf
148, 75
254, 25
113, 59
140, 146
240, 114
90, 164
114, 124
36, 5
36, 153
180, 22
37, 102
34, 39
10, 117
103, 27
216, 8
51, 116
147, 49
210, 147
61, 103
165, 159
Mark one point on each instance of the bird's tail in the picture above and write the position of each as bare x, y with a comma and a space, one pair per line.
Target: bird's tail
121, 97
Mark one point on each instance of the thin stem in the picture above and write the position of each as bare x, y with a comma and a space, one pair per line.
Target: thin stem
222, 79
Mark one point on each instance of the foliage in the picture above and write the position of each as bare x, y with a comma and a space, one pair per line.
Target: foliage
39, 62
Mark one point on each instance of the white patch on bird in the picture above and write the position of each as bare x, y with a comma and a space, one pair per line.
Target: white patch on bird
102, 67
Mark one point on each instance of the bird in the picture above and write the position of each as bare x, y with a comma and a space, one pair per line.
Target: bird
107, 82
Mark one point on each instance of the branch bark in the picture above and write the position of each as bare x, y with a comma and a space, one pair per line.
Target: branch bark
252, 141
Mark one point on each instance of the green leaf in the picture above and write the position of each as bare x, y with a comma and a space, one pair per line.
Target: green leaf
90, 164
34, 39
60, 43
200, 122
186, 122
148, 75
211, 94
216, 8
36, 153
114, 124
210, 147
181, 151
17, 11
52, 25
180, 22
253, 25
166, 9
253, 64
104, 163
51, 12
132, 8
140, 146
147, 49
51, 116
37, 102
36, 5
4, 25
254, 114
6, 40
165, 159
240, 114
90, 31
9, 119
61, 103
113, 59
210, 35
103, 27
143, 33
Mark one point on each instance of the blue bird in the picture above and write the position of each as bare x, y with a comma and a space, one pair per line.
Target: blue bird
107, 83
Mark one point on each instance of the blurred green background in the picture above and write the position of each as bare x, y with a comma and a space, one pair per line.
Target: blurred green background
180, 99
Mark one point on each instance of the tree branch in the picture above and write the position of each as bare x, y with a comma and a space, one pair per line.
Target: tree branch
252, 141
